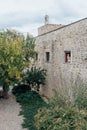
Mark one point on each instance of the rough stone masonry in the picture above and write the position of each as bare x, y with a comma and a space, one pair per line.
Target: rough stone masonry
62, 50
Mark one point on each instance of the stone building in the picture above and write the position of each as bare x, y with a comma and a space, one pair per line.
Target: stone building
62, 50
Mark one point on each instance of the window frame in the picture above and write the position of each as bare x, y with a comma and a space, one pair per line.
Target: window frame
47, 54
67, 56
36, 57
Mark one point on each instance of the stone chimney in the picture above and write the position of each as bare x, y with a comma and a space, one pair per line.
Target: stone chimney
47, 27
46, 19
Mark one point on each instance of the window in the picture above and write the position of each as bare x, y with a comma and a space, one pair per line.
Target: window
36, 56
68, 56
47, 56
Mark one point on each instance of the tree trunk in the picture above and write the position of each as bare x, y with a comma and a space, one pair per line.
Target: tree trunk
5, 92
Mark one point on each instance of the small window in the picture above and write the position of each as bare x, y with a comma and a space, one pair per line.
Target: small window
36, 56
68, 56
47, 56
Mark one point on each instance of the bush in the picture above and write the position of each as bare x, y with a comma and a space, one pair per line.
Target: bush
34, 77
80, 95
30, 103
81, 100
29, 98
57, 117
63, 113
20, 88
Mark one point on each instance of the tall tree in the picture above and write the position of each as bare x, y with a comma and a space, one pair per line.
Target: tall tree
29, 51
16, 53
11, 58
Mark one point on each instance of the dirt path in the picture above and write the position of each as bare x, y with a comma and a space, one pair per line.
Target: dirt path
9, 110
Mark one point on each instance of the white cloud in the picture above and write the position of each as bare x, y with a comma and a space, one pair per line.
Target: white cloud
27, 15
32, 28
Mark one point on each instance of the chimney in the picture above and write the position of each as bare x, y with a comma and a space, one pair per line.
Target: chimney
46, 19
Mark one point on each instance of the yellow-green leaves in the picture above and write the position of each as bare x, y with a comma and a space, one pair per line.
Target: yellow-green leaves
11, 56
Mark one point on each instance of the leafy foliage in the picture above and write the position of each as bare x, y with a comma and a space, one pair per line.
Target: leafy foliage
80, 94
13, 52
20, 88
35, 77
58, 114
81, 100
62, 114
30, 103
57, 117
10, 57
28, 47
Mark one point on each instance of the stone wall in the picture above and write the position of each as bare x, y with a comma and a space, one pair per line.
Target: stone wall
72, 38
47, 28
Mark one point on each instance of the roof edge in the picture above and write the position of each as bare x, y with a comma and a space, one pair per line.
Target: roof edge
62, 27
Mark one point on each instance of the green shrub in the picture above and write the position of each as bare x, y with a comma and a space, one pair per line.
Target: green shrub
66, 117
20, 88
81, 100
80, 96
34, 77
29, 98
63, 113
30, 103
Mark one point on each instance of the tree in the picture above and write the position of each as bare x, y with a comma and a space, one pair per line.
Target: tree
11, 58
15, 55
29, 52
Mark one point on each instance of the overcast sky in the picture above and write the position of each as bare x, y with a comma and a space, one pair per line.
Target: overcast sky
28, 15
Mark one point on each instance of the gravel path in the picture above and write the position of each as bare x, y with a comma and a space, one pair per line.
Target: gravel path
9, 110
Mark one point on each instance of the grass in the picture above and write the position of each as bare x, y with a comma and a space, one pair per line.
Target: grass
30, 103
